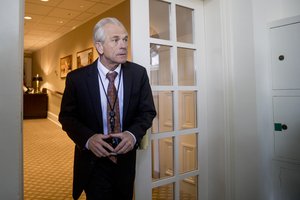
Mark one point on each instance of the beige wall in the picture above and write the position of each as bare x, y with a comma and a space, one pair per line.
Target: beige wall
46, 61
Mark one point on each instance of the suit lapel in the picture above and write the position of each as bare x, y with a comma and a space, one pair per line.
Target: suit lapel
127, 81
93, 87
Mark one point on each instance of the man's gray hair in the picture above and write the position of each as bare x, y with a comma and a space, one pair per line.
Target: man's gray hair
99, 33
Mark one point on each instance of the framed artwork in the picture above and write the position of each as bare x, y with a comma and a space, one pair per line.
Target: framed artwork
84, 57
65, 66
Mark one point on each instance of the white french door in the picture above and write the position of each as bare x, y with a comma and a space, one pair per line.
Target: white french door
167, 38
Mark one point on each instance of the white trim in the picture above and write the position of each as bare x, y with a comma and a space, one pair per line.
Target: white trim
284, 22
227, 73
201, 71
11, 103
139, 20
170, 43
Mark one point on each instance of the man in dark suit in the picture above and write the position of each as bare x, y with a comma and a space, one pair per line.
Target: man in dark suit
107, 131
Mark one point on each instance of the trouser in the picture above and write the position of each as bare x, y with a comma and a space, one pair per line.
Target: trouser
110, 181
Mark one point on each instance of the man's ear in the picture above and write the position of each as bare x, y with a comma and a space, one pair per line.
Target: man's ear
99, 47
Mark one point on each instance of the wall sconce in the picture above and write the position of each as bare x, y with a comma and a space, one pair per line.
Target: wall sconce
36, 82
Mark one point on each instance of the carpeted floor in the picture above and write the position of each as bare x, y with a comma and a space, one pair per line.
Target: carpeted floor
48, 161
48, 164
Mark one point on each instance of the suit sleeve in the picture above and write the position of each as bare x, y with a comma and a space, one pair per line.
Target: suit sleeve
145, 112
69, 115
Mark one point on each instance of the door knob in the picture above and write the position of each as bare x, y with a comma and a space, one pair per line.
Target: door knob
280, 127
281, 57
284, 127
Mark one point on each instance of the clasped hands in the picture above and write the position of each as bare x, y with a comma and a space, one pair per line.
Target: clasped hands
101, 148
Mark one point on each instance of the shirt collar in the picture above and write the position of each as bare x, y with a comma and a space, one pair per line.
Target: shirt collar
103, 70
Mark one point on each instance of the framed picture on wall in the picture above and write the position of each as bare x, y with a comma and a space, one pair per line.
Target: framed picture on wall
84, 57
65, 66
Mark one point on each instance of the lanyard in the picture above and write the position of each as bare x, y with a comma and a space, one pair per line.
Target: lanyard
112, 107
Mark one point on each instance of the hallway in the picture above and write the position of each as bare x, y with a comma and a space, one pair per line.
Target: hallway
48, 164
48, 161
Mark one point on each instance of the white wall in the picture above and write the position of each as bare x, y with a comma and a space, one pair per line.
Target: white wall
215, 101
263, 13
11, 62
233, 149
239, 96
252, 134
246, 152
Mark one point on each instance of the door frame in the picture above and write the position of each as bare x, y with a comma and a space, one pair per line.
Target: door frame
140, 39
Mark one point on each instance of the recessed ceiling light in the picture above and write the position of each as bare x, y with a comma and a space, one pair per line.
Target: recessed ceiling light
27, 17
44, 0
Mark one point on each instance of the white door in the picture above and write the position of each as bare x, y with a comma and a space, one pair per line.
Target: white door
285, 43
167, 38
286, 111
285, 64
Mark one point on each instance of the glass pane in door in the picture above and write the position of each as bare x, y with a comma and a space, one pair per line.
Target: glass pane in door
160, 65
189, 188
165, 192
187, 109
159, 19
163, 122
186, 68
171, 58
184, 19
187, 153
162, 158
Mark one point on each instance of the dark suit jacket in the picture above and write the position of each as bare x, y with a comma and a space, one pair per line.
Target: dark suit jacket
81, 115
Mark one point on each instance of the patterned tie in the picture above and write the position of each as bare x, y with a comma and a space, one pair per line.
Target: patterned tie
113, 111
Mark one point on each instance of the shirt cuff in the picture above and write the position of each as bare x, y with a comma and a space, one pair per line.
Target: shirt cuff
132, 136
87, 144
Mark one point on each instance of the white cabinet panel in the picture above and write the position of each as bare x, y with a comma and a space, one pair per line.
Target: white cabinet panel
289, 184
285, 56
285, 66
287, 127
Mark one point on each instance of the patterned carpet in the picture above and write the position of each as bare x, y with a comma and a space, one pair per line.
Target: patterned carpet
48, 164
48, 161
166, 193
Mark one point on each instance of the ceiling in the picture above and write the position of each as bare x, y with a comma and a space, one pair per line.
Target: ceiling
54, 18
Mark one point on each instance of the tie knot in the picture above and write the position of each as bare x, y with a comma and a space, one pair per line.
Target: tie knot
111, 76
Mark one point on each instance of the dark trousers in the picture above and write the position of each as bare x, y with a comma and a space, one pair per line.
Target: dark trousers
110, 181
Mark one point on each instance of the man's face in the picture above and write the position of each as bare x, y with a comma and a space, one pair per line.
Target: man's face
113, 50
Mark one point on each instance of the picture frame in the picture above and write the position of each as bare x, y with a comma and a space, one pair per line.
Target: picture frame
84, 57
65, 65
